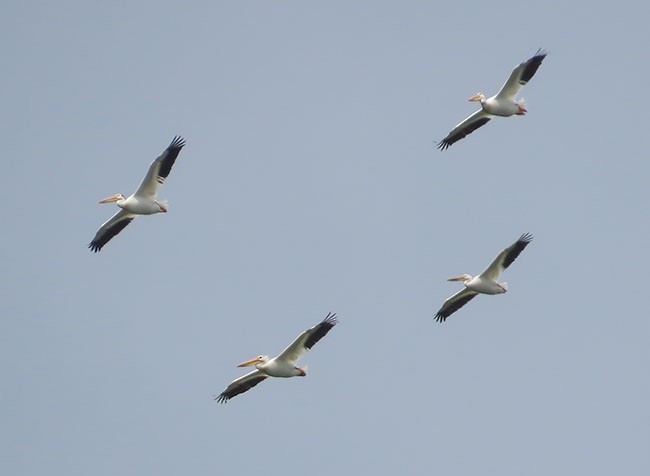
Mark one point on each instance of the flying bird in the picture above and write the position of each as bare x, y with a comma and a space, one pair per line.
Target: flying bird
484, 283
284, 365
143, 201
503, 103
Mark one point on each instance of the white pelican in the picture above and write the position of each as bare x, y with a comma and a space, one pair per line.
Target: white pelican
284, 365
143, 201
503, 103
484, 283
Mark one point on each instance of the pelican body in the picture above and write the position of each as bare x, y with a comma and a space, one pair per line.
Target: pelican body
143, 201
503, 104
285, 365
481, 285
486, 282
494, 106
137, 205
275, 367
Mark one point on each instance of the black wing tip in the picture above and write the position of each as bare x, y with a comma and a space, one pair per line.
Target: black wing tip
320, 330
444, 145
177, 143
221, 398
531, 66
99, 241
526, 238
540, 53
448, 309
245, 386
331, 318
452, 138
514, 250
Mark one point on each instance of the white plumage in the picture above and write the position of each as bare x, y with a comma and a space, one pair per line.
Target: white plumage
143, 201
503, 104
284, 365
484, 283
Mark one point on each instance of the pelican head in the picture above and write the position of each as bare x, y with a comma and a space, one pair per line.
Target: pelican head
260, 359
114, 198
465, 278
479, 97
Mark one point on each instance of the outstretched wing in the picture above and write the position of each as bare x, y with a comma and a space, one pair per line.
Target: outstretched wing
520, 76
159, 169
307, 339
506, 257
469, 125
454, 303
241, 385
108, 230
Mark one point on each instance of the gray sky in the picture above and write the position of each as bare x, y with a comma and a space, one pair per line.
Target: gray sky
310, 183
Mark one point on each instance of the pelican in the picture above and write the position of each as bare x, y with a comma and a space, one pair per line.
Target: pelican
484, 283
143, 201
503, 103
284, 365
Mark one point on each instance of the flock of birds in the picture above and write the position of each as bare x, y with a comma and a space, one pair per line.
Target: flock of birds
144, 202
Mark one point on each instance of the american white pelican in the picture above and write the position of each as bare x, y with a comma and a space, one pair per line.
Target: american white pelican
503, 103
284, 365
143, 201
484, 283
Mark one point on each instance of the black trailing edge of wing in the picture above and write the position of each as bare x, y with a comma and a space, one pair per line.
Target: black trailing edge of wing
516, 249
448, 141
445, 312
170, 155
99, 241
241, 388
531, 66
321, 330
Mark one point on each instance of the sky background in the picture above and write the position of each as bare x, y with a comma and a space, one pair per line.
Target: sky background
311, 183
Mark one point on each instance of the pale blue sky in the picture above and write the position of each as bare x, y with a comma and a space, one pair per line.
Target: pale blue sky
310, 183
